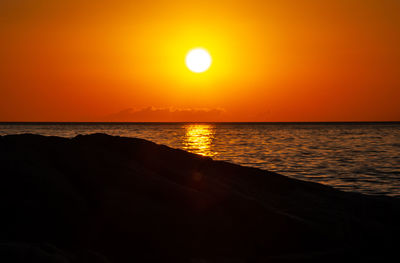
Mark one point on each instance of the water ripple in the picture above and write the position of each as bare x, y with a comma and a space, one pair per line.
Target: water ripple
362, 158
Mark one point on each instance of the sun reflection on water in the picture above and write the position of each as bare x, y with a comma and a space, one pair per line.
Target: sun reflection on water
198, 139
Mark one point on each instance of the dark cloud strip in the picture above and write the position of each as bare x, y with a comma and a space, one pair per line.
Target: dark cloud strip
153, 114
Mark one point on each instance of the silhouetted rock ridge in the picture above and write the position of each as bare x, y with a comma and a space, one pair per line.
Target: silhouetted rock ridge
101, 198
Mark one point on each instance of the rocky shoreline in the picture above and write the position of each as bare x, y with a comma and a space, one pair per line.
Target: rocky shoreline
101, 198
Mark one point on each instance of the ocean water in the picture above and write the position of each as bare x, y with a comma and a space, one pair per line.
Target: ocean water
360, 157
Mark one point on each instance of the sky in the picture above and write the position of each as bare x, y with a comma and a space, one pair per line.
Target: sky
124, 60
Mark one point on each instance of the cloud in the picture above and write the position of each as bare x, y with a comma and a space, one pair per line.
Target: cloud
153, 114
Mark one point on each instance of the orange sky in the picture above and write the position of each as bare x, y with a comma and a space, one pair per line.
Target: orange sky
123, 60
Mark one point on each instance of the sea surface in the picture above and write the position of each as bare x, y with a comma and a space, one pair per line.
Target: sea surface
360, 157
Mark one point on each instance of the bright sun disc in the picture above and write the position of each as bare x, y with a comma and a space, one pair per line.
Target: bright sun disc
198, 60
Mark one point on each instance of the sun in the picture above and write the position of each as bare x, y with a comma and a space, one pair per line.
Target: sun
198, 60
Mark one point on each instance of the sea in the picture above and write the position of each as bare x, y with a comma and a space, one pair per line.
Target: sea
358, 157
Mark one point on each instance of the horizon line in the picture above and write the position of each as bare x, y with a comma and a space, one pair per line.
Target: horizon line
194, 122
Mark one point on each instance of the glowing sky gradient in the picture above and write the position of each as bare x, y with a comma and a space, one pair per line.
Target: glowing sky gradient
272, 60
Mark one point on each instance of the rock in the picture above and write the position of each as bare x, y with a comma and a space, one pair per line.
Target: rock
131, 200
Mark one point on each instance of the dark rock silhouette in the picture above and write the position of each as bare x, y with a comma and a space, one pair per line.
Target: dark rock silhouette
99, 198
